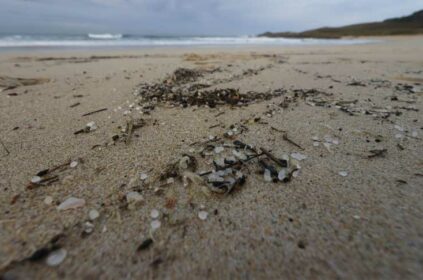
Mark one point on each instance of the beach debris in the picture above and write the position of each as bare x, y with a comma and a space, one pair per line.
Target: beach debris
94, 112
286, 138
155, 224
48, 176
44, 251
343, 173
48, 200
143, 176
267, 175
298, 156
399, 128
73, 164
36, 180
202, 215
93, 214
71, 203
154, 214
7, 83
145, 244
134, 199
377, 153
56, 257
195, 95
184, 75
126, 133
90, 126
88, 228
4, 147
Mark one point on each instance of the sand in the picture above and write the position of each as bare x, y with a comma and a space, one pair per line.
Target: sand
367, 224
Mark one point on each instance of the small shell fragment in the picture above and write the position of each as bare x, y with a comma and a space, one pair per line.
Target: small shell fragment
219, 149
36, 179
399, 128
73, 164
71, 203
93, 214
343, 173
298, 156
282, 174
48, 200
155, 224
91, 126
143, 176
267, 175
56, 257
134, 197
202, 215
154, 214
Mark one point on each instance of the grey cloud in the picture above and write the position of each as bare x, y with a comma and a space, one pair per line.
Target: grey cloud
191, 16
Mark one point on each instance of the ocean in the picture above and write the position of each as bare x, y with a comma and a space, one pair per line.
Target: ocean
122, 41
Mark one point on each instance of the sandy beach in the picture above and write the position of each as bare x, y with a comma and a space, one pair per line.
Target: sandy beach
104, 127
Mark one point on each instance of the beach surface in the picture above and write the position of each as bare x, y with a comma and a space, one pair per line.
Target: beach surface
347, 117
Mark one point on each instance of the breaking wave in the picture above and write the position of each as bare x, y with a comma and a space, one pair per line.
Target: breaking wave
105, 36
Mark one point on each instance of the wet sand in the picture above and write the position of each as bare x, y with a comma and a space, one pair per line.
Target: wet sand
319, 225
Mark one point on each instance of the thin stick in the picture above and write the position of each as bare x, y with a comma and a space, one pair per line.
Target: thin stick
4, 147
94, 112
285, 137
272, 157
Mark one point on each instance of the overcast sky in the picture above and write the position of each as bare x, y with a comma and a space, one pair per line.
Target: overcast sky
192, 17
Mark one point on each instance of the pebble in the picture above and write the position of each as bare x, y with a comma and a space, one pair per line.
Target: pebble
48, 200
154, 213
93, 214
398, 136
71, 203
155, 224
203, 215
343, 173
414, 134
35, 179
73, 164
316, 144
56, 257
170, 180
